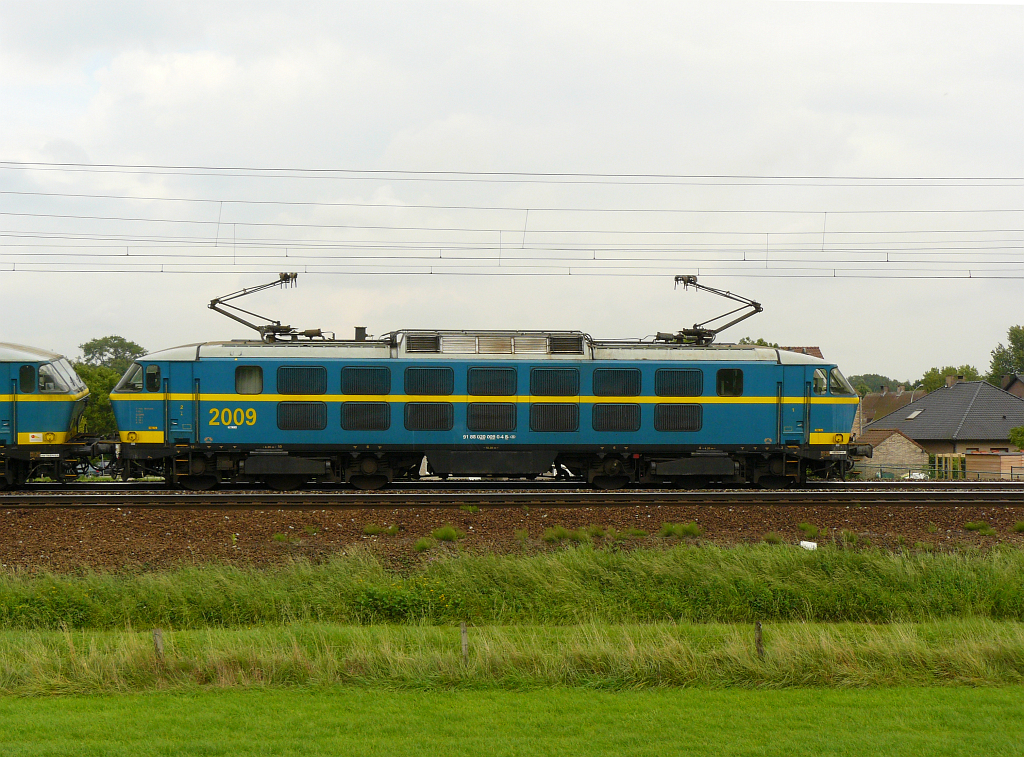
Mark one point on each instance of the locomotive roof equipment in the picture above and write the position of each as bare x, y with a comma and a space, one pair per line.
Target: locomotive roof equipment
272, 331
700, 335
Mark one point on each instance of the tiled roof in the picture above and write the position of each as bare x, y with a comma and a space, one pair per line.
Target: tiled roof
876, 436
966, 410
812, 351
875, 406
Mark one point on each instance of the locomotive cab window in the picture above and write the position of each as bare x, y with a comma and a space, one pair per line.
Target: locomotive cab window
152, 378
27, 379
820, 381
50, 380
729, 382
248, 379
840, 385
131, 381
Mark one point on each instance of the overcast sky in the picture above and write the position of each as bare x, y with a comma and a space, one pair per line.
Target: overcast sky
858, 168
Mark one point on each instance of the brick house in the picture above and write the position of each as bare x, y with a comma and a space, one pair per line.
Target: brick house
961, 417
1014, 384
893, 448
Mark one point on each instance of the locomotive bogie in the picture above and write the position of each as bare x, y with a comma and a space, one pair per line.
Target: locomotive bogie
483, 404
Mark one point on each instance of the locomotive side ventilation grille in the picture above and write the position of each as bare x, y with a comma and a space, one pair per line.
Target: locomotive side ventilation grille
608, 417
301, 416
617, 382
365, 380
422, 343
566, 345
678, 417
365, 416
491, 416
554, 417
304, 379
555, 382
492, 382
672, 382
429, 416
429, 381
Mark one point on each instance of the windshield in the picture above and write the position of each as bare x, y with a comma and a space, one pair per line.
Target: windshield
69, 375
132, 380
839, 383
50, 380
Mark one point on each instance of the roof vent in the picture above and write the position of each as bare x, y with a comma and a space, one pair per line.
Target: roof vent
422, 343
566, 345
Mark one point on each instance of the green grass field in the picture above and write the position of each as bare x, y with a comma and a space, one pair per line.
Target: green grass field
891, 722
684, 583
596, 657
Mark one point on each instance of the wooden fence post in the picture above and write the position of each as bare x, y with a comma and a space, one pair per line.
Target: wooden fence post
758, 642
465, 644
158, 642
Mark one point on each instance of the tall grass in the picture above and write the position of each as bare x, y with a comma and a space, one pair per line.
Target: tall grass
577, 585
978, 652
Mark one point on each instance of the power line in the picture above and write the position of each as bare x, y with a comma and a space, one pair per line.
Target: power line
505, 177
515, 209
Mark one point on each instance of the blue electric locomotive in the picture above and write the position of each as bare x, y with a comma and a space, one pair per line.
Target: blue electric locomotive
487, 403
41, 404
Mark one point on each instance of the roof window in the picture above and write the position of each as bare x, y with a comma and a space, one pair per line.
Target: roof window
914, 414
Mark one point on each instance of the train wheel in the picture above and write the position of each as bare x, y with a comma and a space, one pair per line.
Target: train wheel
198, 483
285, 483
368, 483
610, 482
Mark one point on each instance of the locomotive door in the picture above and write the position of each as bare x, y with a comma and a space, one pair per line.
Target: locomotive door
149, 406
181, 406
795, 404
7, 415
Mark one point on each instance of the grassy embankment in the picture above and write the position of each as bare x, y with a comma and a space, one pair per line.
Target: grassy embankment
943, 653
892, 722
579, 617
576, 586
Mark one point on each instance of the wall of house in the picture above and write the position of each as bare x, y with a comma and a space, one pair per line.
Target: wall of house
898, 451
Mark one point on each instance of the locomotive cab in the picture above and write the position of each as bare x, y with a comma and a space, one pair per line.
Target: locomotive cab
42, 401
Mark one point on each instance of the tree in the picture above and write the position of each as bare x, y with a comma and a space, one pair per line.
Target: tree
875, 382
1008, 359
113, 352
759, 342
99, 416
1017, 437
935, 378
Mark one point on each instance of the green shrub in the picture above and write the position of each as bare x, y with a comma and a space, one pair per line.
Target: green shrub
372, 529
279, 537
809, 530
469, 508
448, 533
980, 527
772, 538
1018, 527
423, 544
680, 530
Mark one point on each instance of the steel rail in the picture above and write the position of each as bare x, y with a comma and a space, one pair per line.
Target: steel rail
491, 499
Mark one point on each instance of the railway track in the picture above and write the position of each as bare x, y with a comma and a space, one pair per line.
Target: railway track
858, 495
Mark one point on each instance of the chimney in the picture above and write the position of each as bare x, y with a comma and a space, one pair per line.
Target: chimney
899, 389
885, 389
1005, 381
950, 380
360, 333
